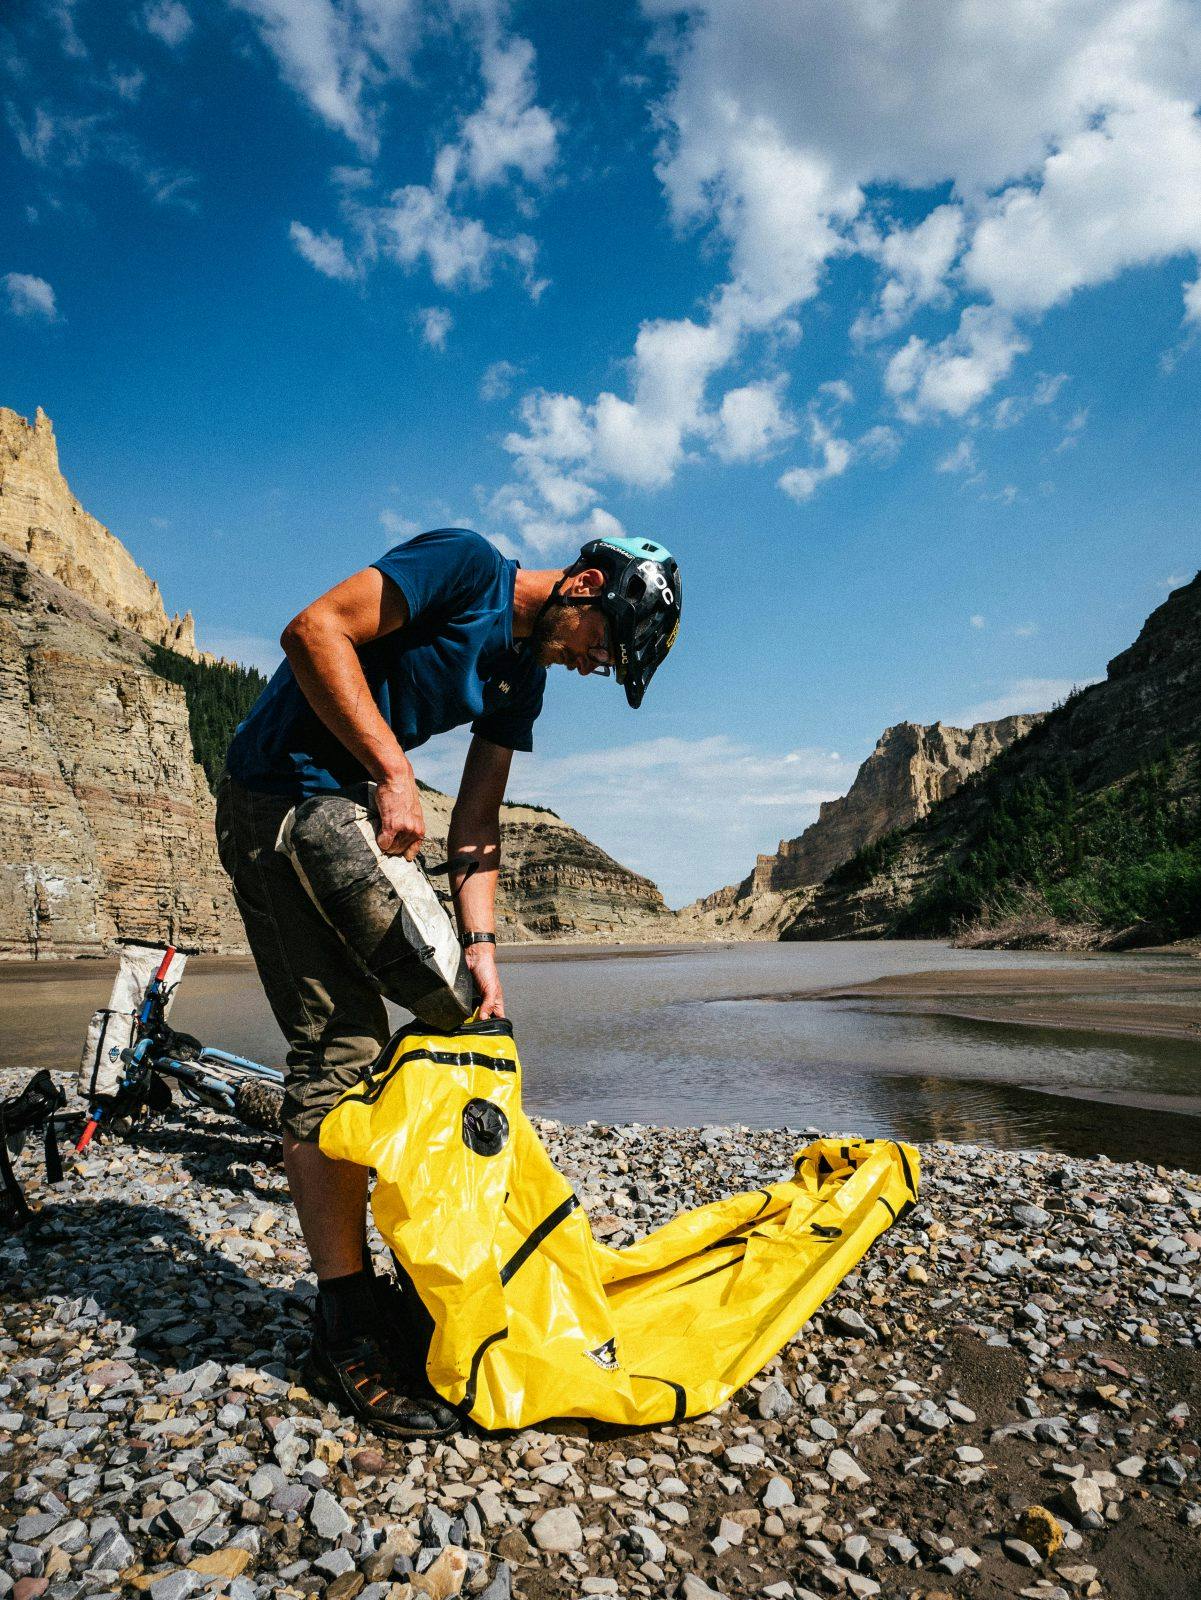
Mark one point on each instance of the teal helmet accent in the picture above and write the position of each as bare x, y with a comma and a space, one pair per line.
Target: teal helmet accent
641, 605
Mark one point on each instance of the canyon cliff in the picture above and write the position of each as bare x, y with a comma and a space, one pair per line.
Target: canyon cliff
42, 521
106, 818
912, 769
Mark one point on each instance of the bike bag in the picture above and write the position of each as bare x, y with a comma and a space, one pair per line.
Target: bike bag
384, 909
114, 1029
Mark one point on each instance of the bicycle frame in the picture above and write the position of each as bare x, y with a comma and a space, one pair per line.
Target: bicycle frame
206, 1075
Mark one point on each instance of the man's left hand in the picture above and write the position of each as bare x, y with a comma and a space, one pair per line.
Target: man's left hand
481, 958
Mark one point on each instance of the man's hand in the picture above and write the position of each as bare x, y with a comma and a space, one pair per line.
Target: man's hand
481, 958
401, 827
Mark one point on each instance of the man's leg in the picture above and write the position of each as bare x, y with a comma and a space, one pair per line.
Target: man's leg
331, 1201
335, 1023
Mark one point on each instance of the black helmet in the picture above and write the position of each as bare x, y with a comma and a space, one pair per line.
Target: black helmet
641, 604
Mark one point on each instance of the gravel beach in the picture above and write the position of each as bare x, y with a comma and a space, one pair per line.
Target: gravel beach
1004, 1400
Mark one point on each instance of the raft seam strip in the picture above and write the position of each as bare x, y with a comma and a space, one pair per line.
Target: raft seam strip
473, 1376
677, 1389
542, 1232
441, 1058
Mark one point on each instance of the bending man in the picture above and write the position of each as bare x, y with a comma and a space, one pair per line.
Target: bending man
440, 632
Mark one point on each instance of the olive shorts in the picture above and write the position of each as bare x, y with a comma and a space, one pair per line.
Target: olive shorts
332, 1017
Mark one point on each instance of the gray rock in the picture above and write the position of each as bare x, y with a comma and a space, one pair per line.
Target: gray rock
692, 1588
327, 1516
558, 1531
843, 1468
177, 1585
646, 1545
1030, 1216
1021, 1552
501, 1587
778, 1493
191, 1512
334, 1563
775, 1401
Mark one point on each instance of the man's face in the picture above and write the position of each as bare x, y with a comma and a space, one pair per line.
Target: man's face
574, 636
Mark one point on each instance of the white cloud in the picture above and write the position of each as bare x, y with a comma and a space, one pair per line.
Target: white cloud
419, 225
1192, 301
509, 133
323, 251
788, 129
337, 57
977, 621
1094, 211
834, 457
60, 142
1018, 696
1072, 430
497, 380
29, 296
435, 322
917, 261
168, 21
955, 375
834, 453
961, 459
751, 421
728, 799
400, 527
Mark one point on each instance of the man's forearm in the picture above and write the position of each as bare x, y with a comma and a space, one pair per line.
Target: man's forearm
478, 836
328, 670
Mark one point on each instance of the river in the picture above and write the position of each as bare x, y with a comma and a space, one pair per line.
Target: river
690, 1036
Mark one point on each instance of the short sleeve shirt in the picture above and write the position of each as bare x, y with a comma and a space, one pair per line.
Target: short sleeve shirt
454, 662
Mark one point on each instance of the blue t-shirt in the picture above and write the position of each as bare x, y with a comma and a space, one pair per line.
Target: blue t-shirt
453, 662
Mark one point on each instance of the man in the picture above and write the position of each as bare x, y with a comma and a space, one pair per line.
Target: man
441, 631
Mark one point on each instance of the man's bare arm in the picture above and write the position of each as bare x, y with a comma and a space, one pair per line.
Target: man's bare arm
321, 644
475, 831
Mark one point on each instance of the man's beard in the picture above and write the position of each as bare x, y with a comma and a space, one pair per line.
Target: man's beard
544, 628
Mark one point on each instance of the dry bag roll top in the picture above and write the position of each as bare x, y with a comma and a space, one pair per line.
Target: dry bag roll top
383, 908
112, 1031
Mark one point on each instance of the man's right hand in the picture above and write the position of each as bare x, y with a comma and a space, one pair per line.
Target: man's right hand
400, 830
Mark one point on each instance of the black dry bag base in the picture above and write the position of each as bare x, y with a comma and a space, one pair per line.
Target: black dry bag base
383, 908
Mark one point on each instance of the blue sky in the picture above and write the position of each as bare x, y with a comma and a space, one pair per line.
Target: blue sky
888, 328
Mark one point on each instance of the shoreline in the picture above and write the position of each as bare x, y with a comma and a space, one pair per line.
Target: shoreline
1162, 1004
1030, 1335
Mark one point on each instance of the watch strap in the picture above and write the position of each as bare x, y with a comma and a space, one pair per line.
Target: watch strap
478, 938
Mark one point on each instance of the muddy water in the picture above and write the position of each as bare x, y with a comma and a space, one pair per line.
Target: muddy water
690, 1036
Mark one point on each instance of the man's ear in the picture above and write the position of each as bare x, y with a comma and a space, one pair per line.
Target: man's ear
591, 580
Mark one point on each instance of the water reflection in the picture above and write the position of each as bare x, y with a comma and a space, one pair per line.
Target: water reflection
642, 1039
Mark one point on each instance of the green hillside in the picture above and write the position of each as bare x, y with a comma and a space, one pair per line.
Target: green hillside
219, 694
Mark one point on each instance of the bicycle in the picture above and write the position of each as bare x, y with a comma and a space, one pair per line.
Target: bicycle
131, 1058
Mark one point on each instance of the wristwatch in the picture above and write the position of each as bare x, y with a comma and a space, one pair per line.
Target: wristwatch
478, 938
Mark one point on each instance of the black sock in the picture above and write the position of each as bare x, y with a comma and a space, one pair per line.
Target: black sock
346, 1306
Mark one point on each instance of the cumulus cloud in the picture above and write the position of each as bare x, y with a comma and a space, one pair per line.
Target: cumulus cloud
833, 453
751, 421
323, 251
29, 296
338, 58
961, 459
434, 322
169, 21
954, 375
787, 132
400, 527
729, 799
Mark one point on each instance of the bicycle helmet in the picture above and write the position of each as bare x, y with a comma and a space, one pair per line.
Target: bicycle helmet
641, 605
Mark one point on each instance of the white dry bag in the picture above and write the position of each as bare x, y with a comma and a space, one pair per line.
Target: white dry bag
112, 1031
383, 908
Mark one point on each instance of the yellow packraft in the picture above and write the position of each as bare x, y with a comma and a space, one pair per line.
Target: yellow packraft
534, 1319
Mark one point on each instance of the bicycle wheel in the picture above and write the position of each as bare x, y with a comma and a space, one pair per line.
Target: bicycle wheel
259, 1105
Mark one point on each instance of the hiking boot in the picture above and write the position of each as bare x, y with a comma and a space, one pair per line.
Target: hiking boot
403, 1330
363, 1380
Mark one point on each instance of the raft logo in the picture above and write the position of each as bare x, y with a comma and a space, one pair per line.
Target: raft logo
605, 1355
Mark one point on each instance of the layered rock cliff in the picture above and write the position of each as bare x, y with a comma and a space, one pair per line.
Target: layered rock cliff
42, 521
555, 883
912, 768
106, 822
1099, 745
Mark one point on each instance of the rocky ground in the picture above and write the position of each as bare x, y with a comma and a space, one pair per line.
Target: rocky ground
1004, 1400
